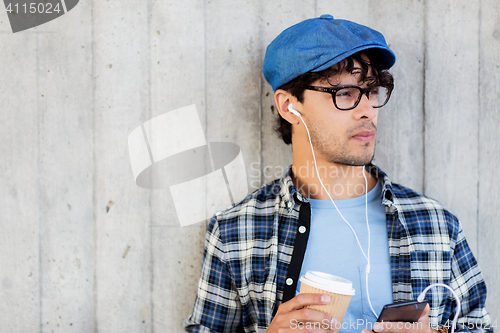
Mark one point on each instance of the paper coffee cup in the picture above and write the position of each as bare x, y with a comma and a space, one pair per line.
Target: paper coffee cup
340, 291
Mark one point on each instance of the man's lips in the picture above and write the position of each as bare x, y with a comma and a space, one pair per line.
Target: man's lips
366, 135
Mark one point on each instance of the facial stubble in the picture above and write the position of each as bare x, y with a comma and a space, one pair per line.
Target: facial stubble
335, 150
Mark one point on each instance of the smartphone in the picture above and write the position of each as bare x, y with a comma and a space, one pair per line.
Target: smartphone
408, 311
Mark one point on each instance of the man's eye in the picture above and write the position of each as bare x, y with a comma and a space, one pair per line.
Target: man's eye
344, 94
347, 93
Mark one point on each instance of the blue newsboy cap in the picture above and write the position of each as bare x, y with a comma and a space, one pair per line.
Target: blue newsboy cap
317, 44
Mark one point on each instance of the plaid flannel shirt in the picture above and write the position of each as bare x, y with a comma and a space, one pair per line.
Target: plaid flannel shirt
253, 255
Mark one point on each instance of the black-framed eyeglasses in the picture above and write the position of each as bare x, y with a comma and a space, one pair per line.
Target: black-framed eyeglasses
348, 97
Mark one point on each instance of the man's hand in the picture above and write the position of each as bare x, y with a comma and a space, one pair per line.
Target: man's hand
292, 315
422, 326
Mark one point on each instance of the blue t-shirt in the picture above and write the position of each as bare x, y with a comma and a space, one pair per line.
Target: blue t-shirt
332, 248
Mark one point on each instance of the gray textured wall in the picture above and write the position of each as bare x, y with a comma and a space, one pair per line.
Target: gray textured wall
73, 89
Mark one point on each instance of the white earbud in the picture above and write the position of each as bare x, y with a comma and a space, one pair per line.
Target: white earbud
292, 110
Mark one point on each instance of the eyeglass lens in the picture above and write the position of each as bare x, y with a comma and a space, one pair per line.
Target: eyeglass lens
346, 98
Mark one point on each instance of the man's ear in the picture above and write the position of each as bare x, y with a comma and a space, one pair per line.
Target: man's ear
283, 99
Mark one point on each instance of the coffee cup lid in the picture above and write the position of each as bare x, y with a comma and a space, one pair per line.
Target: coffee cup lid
328, 282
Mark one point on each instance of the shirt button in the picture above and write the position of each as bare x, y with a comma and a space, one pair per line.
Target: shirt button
302, 229
290, 204
289, 281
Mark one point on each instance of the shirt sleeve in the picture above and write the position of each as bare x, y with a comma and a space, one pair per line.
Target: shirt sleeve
467, 281
217, 307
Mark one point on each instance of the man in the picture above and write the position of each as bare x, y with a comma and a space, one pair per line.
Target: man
333, 211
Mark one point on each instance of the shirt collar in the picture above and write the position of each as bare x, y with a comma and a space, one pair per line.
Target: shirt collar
387, 192
290, 194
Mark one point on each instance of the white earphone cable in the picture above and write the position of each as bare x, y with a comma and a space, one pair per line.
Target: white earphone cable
367, 271
368, 268
457, 299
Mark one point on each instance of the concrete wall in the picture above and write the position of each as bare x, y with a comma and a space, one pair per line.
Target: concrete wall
83, 249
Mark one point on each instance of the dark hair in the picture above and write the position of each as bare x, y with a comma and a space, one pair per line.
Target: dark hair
379, 76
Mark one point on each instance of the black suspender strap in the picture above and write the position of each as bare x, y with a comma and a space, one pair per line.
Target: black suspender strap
299, 249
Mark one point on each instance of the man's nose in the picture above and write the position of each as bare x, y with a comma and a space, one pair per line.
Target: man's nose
365, 107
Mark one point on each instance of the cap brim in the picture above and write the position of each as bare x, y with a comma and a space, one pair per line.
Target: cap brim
382, 53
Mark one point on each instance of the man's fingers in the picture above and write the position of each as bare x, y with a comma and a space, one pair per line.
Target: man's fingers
309, 326
426, 311
378, 327
295, 314
310, 299
305, 318
302, 300
307, 314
